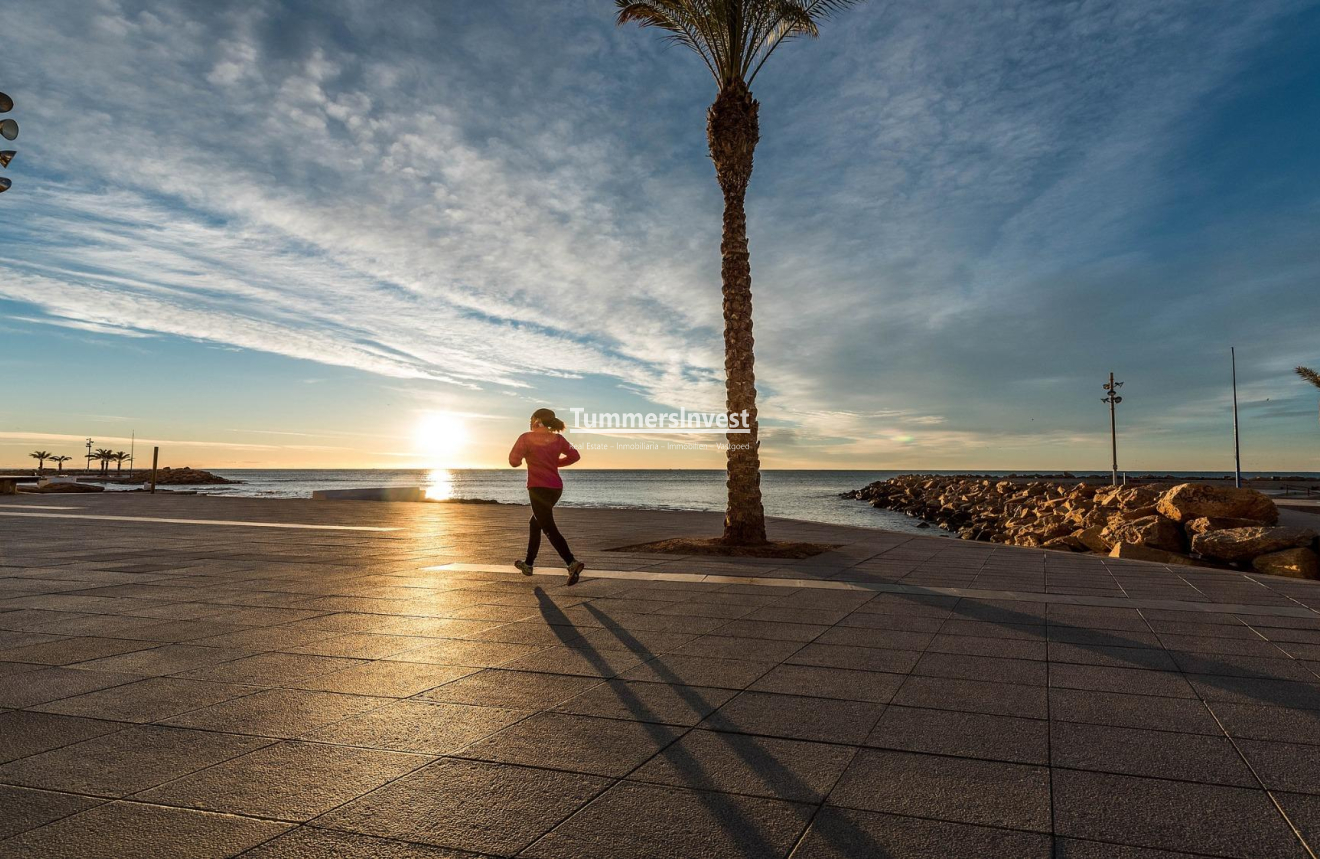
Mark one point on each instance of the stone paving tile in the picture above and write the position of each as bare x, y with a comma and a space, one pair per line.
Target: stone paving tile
118, 830
166, 659
1100, 678
584, 661
1304, 812
117, 764
147, 700
308, 842
856, 658
286, 781
474, 654
961, 734
523, 690
25, 733
684, 670
1170, 815
962, 790
1224, 665
801, 632
1132, 711
285, 713
757, 766
657, 822
1255, 690
1074, 848
468, 805
26, 808
271, 669
1005, 648
1261, 722
421, 727
385, 678
1289, 767
665, 703
29, 688
796, 717
1157, 754
66, 651
605, 747
973, 696
841, 683
1026, 672
731, 647
844, 833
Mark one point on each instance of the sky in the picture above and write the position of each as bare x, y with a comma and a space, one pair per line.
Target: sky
379, 233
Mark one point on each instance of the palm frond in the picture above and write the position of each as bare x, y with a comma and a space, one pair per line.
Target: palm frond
733, 37
1309, 375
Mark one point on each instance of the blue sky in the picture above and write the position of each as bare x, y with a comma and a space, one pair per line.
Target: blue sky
286, 233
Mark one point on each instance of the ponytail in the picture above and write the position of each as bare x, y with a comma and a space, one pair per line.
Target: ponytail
548, 420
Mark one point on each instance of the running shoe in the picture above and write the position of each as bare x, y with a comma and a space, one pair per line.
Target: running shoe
574, 570
523, 567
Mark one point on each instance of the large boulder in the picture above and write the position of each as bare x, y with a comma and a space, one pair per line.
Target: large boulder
1133, 552
1207, 523
1243, 544
1093, 539
1153, 531
1297, 563
1190, 501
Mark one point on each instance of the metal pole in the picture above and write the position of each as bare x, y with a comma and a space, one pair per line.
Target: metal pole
1237, 451
155, 460
1113, 429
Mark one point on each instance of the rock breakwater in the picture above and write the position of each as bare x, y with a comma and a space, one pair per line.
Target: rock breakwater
1188, 523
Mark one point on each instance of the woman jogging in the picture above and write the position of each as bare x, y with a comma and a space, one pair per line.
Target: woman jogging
546, 451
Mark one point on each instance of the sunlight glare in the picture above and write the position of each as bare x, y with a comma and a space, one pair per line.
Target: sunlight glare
439, 439
439, 485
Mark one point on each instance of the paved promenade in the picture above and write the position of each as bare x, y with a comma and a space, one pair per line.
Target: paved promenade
207, 677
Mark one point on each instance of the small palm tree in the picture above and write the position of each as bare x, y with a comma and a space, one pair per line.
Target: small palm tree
120, 457
1309, 375
104, 455
59, 462
40, 456
734, 38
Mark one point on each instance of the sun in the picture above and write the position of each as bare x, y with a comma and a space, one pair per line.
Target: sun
440, 439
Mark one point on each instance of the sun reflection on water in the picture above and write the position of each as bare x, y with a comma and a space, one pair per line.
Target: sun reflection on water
439, 485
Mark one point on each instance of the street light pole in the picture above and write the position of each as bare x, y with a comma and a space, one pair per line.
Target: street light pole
1237, 450
1113, 399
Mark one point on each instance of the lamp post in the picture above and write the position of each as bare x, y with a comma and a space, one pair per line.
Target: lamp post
9, 131
89, 456
1113, 399
1237, 449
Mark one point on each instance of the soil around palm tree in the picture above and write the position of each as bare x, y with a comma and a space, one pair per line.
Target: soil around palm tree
717, 547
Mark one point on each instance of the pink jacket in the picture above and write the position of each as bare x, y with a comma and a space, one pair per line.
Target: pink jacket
545, 453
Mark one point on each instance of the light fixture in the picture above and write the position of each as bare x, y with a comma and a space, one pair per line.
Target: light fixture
4, 184
8, 129
6, 157
6, 103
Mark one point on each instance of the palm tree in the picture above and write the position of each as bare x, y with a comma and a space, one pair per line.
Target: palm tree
734, 38
120, 457
59, 462
1309, 375
104, 455
40, 456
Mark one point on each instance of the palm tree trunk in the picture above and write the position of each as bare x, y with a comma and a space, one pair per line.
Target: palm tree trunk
732, 129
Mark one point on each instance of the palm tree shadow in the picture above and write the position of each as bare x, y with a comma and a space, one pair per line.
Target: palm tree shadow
844, 834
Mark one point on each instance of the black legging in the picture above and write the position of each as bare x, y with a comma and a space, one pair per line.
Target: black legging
544, 500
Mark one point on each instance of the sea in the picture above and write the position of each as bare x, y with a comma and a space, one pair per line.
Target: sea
798, 494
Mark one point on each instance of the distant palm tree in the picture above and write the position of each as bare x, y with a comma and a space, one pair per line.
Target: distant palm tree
121, 457
40, 456
734, 38
59, 462
104, 455
1309, 375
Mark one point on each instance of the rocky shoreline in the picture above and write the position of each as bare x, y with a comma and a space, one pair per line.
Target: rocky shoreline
1188, 523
